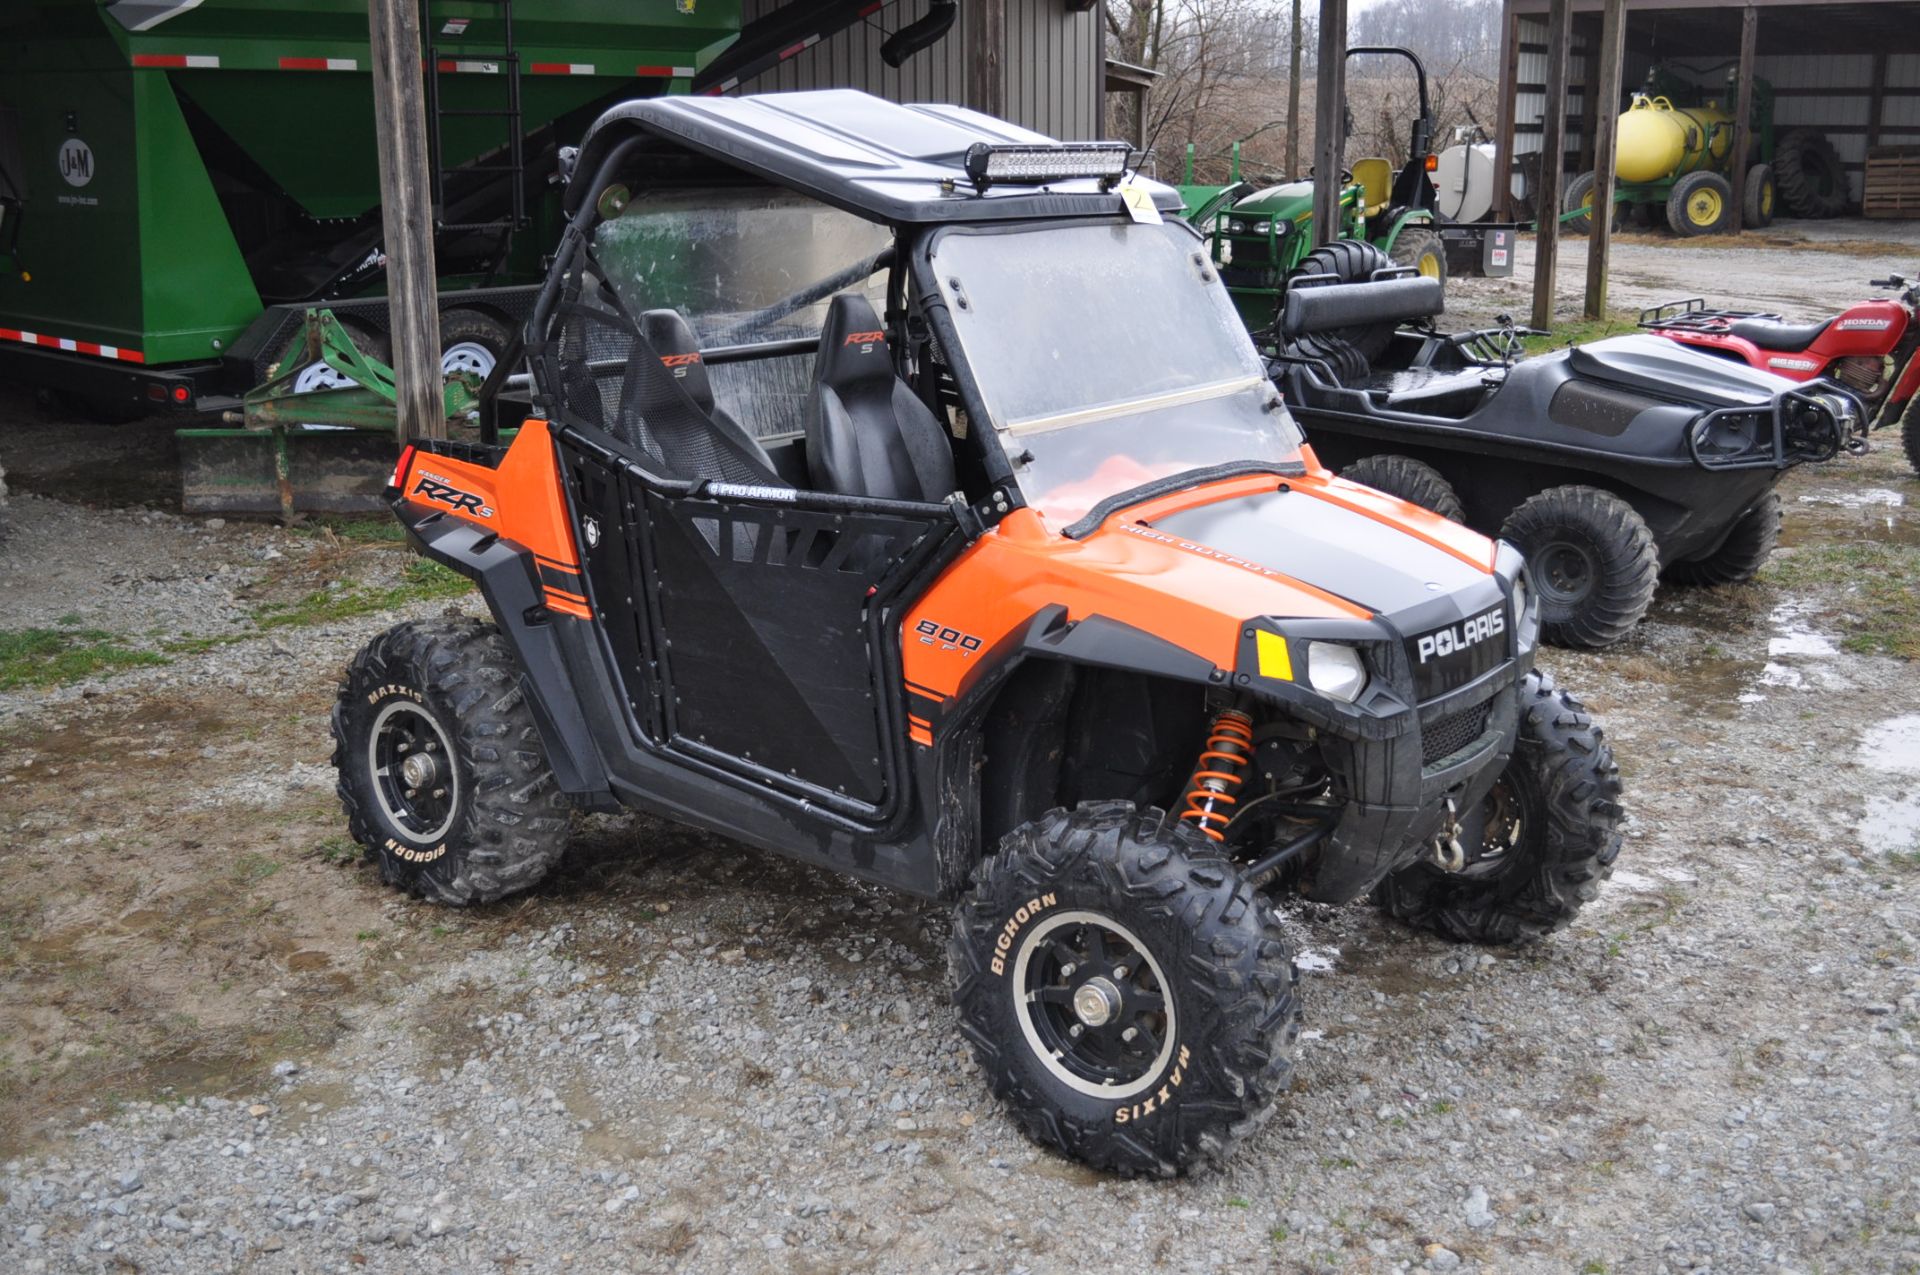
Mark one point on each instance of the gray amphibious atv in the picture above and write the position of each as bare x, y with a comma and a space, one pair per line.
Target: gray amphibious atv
857, 519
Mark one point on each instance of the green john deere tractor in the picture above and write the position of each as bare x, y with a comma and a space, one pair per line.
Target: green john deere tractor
1261, 238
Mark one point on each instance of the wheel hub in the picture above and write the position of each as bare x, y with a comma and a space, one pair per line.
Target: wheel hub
419, 770
1096, 1001
1094, 1005
415, 782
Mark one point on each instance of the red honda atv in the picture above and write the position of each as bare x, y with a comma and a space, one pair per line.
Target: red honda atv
1868, 347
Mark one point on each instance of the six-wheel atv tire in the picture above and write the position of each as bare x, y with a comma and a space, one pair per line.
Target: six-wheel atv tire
440, 766
1740, 556
1423, 250
1127, 994
1808, 174
1538, 846
1350, 261
1413, 481
1595, 563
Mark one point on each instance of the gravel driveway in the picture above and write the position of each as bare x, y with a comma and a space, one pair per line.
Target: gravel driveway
225, 1047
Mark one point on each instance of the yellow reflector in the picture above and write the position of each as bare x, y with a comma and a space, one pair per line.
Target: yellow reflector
1271, 651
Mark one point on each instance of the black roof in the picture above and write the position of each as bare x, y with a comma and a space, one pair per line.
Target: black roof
888, 162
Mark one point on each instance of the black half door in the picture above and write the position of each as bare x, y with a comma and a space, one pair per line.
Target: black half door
771, 620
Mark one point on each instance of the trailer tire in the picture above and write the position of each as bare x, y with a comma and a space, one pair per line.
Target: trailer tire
1177, 951
1808, 174
1701, 204
1422, 249
1595, 563
1413, 481
366, 338
472, 341
1757, 207
1580, 195
1557, 809
1350, 261
1749, 543
494, 822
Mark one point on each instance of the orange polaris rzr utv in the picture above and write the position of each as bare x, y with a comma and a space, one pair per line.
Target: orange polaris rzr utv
903, 494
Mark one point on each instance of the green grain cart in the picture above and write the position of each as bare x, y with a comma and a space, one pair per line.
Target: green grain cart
181, 179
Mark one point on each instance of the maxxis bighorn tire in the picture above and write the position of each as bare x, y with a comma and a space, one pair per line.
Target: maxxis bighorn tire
1701, 204
1422, 249
1749, 543
1595, 563
1351, 261
1555, 814
1413, 481
1213, 1063
1808, 175
1758, 203
448, 688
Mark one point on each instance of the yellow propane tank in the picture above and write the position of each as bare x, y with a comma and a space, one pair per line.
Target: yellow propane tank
1658, 139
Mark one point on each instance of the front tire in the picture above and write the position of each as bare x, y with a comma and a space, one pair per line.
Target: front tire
1541, 842
1910, 433
1127, 994
1749, 543
1413, 481
1594, 560
440, 766
1701, 204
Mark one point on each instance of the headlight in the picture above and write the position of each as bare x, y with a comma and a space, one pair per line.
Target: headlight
1335, 671
1262, 227
1236, 227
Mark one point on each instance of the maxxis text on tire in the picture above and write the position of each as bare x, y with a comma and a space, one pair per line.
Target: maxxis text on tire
1807, 174
1749, 543
1547, 835
1413, 481
1701, 204
502, 823
1758, 202
1423, 250
1595, 563
1214, 1059
1351, 261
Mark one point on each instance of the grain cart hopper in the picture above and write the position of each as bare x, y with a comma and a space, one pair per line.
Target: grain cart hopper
179, 181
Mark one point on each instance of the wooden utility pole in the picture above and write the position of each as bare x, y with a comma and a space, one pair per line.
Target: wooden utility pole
1603, 108
1503, 156
406, 210
1293, 96
1330, 120
986, 59
1553, 163
1743, 115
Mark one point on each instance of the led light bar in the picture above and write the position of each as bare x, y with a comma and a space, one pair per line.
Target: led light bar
1038, 165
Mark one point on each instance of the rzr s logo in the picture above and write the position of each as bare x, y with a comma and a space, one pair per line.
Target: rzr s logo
1444, 642
436, 488
679, 363
865, 340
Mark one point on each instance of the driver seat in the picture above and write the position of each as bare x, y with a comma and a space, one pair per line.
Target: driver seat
1785, 338
868, 433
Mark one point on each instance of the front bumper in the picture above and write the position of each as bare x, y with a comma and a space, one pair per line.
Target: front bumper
1806, 424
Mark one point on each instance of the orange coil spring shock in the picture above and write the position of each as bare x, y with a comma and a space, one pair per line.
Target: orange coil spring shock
1221, 770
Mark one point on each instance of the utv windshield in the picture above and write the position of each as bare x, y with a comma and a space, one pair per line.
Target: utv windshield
1109, 356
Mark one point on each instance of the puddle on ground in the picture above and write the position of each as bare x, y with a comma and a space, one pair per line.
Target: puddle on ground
1891, 825
1799, 657
1893, 746
1315, 960
1863, 498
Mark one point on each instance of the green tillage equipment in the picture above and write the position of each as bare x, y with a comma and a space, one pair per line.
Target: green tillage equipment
330, 450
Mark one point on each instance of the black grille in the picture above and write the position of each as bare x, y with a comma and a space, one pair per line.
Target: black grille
1445, 736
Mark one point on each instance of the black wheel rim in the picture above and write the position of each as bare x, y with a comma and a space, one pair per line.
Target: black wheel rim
1564, 573
414, 776
1492, 833
1094, 1004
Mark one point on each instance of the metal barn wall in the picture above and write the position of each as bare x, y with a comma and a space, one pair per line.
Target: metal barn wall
1530, 96
1052, 63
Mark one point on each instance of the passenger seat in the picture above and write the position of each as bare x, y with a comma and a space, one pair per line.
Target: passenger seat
868, 434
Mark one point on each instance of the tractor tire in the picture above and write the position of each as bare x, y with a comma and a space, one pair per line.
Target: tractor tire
1346, 365
1413, 481
1580, 195
1163, 1010
492, 821
1540, 843
1808, 174
1595, 564
1350, 261
1757, 207
472, 341
1910, 434
1701, 204
1749, 543
1423, 250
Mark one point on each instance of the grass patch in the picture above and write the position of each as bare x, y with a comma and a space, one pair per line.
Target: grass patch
376, 530
421, 579
1881, 607
54, 657
1580, 331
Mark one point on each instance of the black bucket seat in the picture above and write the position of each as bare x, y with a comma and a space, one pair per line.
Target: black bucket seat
868, 433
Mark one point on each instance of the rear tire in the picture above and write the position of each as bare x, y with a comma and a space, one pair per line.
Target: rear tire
1413, 481
1423, 250
1740, 556
1188, 959
1808, 175
1580, 195
1539, 845
1701, 204
1594, 560
1910, 433
485, 818
1350, 261
1757, 207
